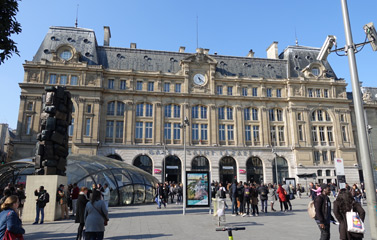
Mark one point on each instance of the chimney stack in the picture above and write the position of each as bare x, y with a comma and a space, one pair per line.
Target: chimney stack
250, 54
199, 50
182, 49
206, 51
106, 36
133, 45
272, 51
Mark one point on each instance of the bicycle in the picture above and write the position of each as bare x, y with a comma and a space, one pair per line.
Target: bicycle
229, 230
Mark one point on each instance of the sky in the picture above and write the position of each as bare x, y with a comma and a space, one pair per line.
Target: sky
226, 27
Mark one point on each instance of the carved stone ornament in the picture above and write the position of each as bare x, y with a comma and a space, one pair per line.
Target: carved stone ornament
367, 97
33, 76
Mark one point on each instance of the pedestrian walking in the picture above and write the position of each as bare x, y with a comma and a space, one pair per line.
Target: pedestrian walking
74, 196
282, 198
233, 193
246, 200
82, 200
165, 194
356, 193
263, 193
20, 192
288, 193
240, 193
159, 196
179, 193
42, 199
345, 203
272, 196
254, 200
95, 217
106, 195
323, 215
10, 223
221, 193
62, 196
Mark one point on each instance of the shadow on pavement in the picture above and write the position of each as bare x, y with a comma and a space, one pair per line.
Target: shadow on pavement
49, 235
142, 236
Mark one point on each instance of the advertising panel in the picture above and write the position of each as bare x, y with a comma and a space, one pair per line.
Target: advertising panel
197, 189
339, 166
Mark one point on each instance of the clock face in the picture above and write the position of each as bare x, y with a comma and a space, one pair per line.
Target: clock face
199, 79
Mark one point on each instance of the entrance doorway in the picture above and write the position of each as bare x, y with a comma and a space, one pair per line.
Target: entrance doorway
228, 170
144, 162
282, 169
172, 169
200, 164
254, 170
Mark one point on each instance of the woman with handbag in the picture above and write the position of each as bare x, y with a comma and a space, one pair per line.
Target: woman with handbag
345, 203
82, 200
10, 223
96, 217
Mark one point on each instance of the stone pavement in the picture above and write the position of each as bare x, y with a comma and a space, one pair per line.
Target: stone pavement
148, 222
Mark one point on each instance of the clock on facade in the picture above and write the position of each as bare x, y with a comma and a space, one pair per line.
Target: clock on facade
199, 79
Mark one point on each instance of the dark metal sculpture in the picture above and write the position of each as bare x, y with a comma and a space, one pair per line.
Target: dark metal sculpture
52, 146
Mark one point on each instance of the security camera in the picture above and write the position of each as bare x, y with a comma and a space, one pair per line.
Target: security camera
356, 165
369, 127
371, 33
326, 48
300, 164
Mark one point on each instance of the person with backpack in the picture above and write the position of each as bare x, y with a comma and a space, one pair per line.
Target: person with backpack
323, 215
240, 193
263, 193
246, 200
42, 200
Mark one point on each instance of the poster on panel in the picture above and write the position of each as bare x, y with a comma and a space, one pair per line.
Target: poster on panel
197, 189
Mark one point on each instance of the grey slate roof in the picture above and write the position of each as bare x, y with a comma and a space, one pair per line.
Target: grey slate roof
289, 64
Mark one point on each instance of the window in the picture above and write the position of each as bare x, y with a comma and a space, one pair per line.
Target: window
177, 88
332, 156
342, 117
318, 93
148, 129
315, 71
139, 85
319, 115
150, 86
89, 108
299, 116
256, 133
87, 127
66, 55
122, 85
344, 133
166, 87
139, 130
278, 92
317, 157
167, 131
313, 116
246, 114
281, 134
221, 113
329, 135
328, 173
119, 129
230, 132
110, 84
279, 115
28, 125
52, 79
203, 112
140, 110
222, 132
148, 110
326, 93
109, 129
255, 92
120, 109
244, 91
255, 114
219, 90
29, 106
247, 133
71, 127
314, 134
177, 131
195, 131
230, 90
168, 111
273, 135
195, 112
319, 173
177, 111
269, 92
73, 80
310, 92
300, 133
322, 135
204, 132
328, 119
271, 114
63, 79
229, 113
110, 108
324, 156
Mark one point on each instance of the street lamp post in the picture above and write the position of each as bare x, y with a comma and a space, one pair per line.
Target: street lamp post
184, 180
276, 165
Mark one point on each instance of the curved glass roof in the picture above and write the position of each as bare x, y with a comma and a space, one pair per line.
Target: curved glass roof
128, 184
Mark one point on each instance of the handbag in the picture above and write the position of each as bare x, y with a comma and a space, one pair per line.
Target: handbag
103, 215
12, 236
354, 223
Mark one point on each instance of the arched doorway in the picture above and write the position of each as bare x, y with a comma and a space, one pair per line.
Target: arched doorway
254, 170
144, 162
200, 163
282, 169
172, 169
228, 170
115, 156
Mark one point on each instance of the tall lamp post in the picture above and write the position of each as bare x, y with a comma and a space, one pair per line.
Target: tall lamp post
276, 164
184, 181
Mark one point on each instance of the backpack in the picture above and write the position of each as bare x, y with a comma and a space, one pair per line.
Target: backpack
247, 192
239, 191
222, 193
47, 197
311, 209
263, 192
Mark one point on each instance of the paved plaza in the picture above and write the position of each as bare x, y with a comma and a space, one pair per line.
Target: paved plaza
148, 222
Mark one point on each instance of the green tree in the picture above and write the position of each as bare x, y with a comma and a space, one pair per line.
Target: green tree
8, 26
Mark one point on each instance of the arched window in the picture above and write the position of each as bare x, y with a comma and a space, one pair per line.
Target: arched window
254, 170
144, 162
199, 112
172, 169
120, 109
200, 163
227, 170
281, 169
275, 114
111, 108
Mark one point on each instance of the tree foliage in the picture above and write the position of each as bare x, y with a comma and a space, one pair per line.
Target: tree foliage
8, 26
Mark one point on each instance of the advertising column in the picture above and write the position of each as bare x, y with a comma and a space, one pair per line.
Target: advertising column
339, 169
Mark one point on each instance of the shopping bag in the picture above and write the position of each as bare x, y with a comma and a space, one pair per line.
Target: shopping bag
354, 223
12, 236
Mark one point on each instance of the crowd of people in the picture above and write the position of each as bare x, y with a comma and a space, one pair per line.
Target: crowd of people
167, 190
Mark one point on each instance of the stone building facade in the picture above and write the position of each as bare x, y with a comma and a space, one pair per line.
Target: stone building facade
244, 113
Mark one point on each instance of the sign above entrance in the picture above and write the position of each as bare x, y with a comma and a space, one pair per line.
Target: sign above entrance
227, 167
172, 167
339, 166
157, 171
242, 171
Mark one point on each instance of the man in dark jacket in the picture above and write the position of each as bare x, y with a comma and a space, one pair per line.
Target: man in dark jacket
263, 193
233, 191
82, 200
323, 215
42, 200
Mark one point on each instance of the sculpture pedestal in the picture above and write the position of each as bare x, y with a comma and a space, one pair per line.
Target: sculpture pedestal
51, 184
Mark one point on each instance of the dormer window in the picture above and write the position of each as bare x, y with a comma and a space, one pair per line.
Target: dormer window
315, 71
66, 55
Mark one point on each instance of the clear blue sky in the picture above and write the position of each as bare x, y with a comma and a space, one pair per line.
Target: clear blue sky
226, 27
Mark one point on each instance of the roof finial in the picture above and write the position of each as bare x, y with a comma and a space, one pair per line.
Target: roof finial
296, 37
77, 15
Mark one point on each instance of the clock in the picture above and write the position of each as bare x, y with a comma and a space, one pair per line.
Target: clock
199, 79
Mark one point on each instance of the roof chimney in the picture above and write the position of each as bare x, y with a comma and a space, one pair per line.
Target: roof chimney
199, 50
133, 45
205, 51
250, 54
106, 36
272, 51
182, 49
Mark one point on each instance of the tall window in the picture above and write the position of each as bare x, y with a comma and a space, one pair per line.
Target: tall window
318, 93
273, 135
329, 135
279, 115
148, 110
278, 92
230, 132
195, 112
281, 134
119, 129
177, 88
150, 86
314, 134
148, 129
204, 132
89, 108
168, 111
300, 133
299, 116
28, 125
120, 109
195, 131
177, 131
203, 112
255, 114
317, 157
310, 92
344, 133
271, 115
324, 156
229, 113
109, 129
219, 90
328, 119
248, 133
332, 156
122, 85
256, 133
139, 85
244, 91
140, 110
110, 84
139, 130
167, 131
177, 111
319, 115
222, 132
255, 92
73, 80
166, 87
71, 127
63, 79
230, 90
322, 138
246, 114
326, 93
87, 127
111, 108
52, 79
269, 92
29, 106
221, 113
